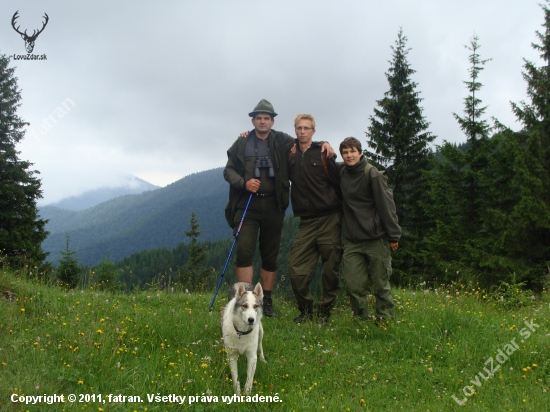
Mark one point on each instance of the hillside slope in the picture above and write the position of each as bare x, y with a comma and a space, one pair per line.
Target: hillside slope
132, 223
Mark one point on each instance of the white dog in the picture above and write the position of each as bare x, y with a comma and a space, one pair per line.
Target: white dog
242, 330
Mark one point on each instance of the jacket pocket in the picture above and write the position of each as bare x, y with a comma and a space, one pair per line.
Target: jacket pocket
229, 214
231, 207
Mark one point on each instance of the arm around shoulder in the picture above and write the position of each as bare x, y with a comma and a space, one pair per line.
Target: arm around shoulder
288, 141
339, 168
336, 168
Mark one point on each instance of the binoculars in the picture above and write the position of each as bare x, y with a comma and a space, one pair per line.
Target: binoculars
263, 162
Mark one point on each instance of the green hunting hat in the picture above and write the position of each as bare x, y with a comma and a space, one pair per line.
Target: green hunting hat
263, 107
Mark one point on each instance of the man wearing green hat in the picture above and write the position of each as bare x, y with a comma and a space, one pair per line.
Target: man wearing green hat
258, 165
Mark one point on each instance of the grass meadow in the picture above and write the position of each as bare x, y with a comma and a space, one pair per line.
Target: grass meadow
152, 345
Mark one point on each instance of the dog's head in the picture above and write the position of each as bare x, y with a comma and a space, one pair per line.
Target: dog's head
248, 305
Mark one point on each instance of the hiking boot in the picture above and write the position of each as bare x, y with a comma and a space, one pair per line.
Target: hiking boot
303, 316
325, 320
268, 308
323, 313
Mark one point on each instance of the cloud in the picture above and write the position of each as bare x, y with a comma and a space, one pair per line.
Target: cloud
162, 89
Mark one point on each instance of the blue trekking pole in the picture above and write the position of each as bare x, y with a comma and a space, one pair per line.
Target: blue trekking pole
230, 253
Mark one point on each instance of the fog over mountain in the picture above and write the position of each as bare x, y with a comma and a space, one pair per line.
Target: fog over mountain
131, 223
133, 186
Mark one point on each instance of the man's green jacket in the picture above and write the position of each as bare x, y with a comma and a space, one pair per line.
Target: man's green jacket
234, 173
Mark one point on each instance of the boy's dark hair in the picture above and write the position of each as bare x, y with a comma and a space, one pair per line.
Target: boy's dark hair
349, 142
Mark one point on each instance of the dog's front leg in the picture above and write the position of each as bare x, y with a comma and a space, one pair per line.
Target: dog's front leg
250, 371
260, 347
233, 358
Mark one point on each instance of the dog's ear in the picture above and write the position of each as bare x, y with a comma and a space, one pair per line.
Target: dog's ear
240, 291
259, 291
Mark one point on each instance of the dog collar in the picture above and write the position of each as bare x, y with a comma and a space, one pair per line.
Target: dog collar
240, 332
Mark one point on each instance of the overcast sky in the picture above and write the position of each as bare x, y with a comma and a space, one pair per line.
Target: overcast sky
161, 89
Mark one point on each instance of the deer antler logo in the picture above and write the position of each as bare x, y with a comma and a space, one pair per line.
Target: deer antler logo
29, 40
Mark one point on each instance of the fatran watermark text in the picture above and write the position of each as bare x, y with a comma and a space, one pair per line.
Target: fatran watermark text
49, 122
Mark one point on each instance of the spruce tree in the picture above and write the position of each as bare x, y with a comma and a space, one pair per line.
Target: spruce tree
21, 229
474, 127
460, 183
399, 140
194, 275
107, 275
479, 151
522, 219
68, 271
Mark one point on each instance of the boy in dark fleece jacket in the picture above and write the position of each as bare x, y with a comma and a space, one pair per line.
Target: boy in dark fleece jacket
370, 231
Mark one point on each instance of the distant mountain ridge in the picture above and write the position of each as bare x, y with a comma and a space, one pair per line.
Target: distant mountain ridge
132, 186
131, 223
